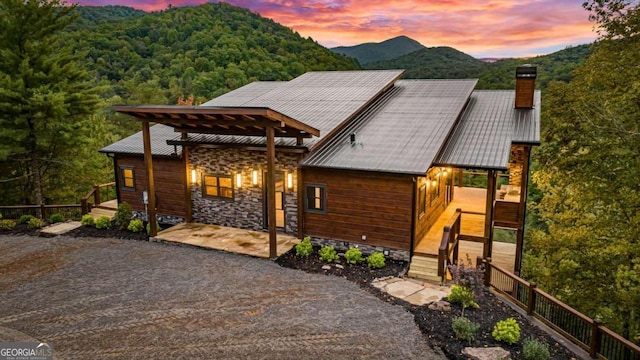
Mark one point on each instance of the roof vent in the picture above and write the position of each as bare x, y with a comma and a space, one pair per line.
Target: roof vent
352, 139
525, 86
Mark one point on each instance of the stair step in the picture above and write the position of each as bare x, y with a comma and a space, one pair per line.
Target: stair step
424, 267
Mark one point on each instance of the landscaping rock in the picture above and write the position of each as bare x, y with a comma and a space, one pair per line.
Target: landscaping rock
326, 267
339, 266
491, 353
440, 306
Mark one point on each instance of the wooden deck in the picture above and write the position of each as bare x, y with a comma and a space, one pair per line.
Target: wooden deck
471, 200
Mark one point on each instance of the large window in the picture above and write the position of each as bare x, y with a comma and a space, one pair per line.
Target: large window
127, 178
315, 199
218, 186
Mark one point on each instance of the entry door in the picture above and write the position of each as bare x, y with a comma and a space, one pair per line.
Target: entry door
279, 200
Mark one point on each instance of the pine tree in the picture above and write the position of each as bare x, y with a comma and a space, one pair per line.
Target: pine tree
46, 97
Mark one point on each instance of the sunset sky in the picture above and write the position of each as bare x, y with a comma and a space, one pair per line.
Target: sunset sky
482, 28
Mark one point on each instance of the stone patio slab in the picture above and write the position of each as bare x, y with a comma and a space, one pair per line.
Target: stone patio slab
402, 289
61, 228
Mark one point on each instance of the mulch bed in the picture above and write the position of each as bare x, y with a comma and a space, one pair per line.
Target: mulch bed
113, 233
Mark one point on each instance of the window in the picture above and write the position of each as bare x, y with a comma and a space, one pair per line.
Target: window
315, 199
127, 178
219, 186
422, 199
434, 190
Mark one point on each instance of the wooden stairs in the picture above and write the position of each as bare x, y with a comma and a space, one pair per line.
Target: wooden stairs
107, 208
424, 267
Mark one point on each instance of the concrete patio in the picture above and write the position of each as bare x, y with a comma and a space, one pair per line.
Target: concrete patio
239, 241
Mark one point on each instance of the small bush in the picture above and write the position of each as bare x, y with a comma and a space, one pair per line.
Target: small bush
464, 328
376, 260
123, 215
158, 228
135, 226
7, 224
304, 247
87, 220
0, 216
56, 218
468, 276
35, 223
535, 350
462, 295
328, 253
103, 222
507, 331
353, 256
24, 219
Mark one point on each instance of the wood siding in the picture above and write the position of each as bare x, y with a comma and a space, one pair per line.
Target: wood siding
169, 175
434, 209
362, 203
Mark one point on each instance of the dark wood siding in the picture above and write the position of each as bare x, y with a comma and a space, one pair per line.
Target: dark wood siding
169, 175
362, 203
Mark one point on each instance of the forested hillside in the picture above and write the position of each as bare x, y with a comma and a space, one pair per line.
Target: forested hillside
372, 52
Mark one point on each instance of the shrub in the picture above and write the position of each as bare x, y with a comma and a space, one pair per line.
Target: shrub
0, 216
464, 328
103, 222
35, 223
158, 228
56, 218
507, 331
87, 220
123, 215
462, 295
135, 226
7, 224
304, 247
24, 219
328, 253
535, 350
353, 256
468, 276
376, 260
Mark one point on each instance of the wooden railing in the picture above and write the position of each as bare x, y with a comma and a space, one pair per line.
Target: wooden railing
506, 213
449, 245
100, 193
589, 334
72, 211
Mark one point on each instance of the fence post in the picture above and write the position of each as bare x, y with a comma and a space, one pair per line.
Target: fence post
96, 195
596, 337
42, 214
487, 272
531, 299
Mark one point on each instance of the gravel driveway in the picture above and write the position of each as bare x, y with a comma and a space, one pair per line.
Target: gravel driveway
103, 298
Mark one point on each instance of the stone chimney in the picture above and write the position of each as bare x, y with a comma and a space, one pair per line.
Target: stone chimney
525, 86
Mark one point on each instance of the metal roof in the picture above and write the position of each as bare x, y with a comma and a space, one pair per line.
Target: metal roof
133, 144
324, 100
488, 127
400, 133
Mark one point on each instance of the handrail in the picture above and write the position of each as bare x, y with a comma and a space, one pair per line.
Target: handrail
589, 334
449, 244
95, 192
41, 211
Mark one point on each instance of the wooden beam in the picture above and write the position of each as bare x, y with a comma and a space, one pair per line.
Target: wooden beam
488, 219
187, 184
148, 162
217, 130
300, 198
524, 186
271, 192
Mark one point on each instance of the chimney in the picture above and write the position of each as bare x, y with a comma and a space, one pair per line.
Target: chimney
525, 86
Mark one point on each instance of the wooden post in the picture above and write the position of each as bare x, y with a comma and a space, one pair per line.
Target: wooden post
96, 195
300, 200
488, 219
151, 187
487, 272
531, 299
43, 216
187, 185
271, 192
524, 185
596, 337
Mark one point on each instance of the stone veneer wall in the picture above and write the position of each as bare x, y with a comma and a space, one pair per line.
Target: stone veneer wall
402, 255
162, 219
516, 163
245, 211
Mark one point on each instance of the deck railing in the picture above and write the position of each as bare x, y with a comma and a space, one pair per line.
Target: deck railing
99, 193
449, 245
70, 211
589, 334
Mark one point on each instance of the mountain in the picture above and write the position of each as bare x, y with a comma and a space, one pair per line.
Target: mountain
96, 15
386, 50
433, 63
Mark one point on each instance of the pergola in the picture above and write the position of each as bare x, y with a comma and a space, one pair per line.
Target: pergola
244, 121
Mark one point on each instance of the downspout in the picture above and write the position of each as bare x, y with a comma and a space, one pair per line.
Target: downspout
524, 195
413, 217
116, 175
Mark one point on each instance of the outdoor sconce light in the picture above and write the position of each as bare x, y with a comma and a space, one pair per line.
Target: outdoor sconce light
290, 181
434, 183
239, 180
194, 176
254, 177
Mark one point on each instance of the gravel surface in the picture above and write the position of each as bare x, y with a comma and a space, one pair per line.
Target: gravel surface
109, 298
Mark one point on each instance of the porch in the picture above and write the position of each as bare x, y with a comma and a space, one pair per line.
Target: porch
239, 241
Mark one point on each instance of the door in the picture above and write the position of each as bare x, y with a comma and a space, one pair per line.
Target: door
280, 214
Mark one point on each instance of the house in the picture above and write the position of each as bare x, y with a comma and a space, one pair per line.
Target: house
349, 157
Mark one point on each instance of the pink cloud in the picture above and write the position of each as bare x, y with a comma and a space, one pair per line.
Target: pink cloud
483, 28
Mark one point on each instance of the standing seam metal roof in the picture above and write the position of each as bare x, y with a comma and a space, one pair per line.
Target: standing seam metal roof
488, 127
133, 144
400, 133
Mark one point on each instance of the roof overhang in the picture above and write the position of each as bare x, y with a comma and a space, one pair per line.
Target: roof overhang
248, 121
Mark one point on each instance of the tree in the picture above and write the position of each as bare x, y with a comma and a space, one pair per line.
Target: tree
588, 253
46, 97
